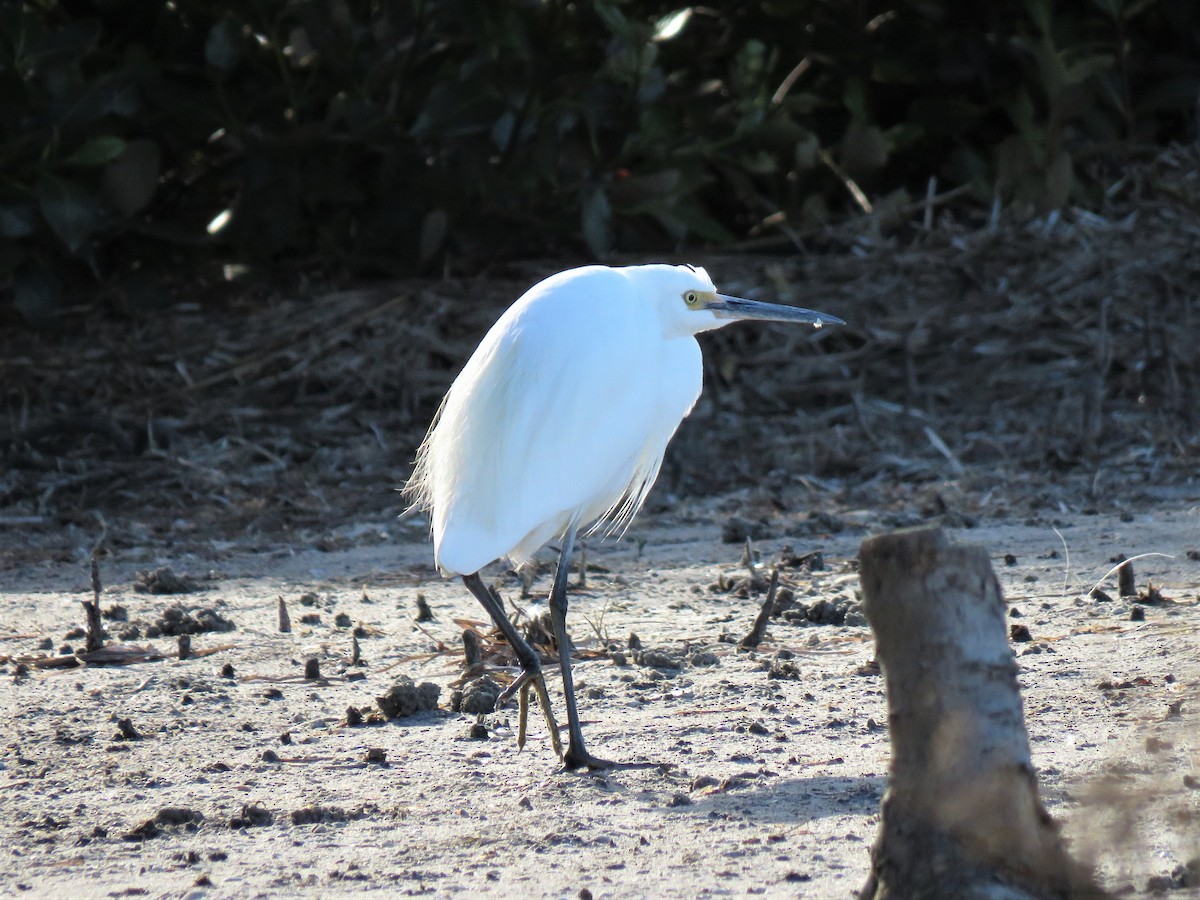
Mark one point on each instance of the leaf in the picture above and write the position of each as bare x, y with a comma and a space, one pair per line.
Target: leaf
1080, 71
222, 49
17, 220
129, 181
96, 151
596, 216
671, 25
615, 21
807, 152
701, 224
864, 149
70, 210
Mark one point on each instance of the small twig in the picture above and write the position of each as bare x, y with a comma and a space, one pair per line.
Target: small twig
94, 639
1126, 580
748, 560
754, 638
355, 652
424, 613
940, 446
792, 77
850, 184
472, 652
1067, 561
1123, 563
597, 624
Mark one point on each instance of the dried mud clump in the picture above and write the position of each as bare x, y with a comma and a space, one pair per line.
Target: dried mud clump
655, 658
476, 697
831, 611
405, 698
164, 580
316, 815
169, 817
253, 815
177, 619
737, 529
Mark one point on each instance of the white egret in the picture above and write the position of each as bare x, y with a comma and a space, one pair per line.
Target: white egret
558, 422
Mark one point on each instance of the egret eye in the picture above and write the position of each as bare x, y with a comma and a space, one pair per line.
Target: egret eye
691, 298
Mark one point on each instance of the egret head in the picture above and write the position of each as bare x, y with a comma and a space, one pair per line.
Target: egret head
688, 302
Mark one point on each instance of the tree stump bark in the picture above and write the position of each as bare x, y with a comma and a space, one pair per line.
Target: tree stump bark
961, 817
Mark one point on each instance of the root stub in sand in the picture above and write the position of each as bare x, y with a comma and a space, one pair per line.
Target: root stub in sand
961, 816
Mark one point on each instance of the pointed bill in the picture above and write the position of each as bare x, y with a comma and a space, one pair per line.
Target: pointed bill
728, 307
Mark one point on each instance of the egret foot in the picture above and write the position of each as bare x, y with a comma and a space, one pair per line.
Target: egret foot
579, 758
538, 683
521, 686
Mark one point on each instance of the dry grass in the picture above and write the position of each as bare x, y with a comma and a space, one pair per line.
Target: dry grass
1057, 357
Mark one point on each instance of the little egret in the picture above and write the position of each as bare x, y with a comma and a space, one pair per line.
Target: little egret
558, 422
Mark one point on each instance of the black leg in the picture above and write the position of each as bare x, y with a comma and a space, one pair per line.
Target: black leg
577, 755
531, 666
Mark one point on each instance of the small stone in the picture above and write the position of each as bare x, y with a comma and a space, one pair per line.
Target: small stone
1019, 632
312, 669
227, 670
376, 755
270, 756
1137, 613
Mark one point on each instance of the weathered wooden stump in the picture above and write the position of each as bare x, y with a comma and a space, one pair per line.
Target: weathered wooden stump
961, 817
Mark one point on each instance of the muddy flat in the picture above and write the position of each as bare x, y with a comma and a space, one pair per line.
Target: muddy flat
762, 773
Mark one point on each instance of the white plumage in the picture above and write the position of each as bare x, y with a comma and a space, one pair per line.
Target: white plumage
559, 421
560, 417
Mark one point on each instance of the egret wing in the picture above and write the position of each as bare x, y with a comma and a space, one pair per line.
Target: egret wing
560, 417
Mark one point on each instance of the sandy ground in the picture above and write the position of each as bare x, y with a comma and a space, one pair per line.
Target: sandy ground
756, 785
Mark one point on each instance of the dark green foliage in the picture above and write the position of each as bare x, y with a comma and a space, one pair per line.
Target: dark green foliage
384, 135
